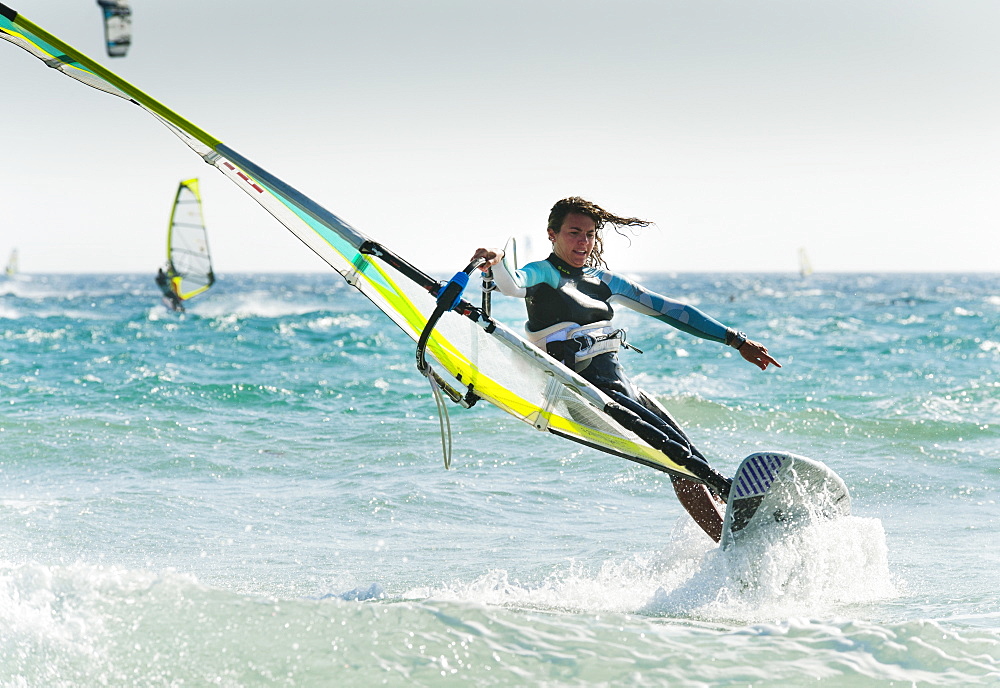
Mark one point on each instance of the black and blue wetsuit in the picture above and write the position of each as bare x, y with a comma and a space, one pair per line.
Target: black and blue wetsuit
557, 293
170, 298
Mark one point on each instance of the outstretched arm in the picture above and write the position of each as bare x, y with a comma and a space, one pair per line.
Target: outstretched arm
686, 318
683, 316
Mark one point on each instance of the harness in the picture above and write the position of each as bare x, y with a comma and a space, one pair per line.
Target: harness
575, 344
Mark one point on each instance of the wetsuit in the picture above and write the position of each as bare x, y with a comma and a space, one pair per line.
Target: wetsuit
170, 298
559, 296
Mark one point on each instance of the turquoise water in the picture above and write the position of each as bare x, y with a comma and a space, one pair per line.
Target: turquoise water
253, 494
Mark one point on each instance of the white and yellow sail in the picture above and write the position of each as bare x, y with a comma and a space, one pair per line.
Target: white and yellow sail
12, 264
189, 262
805, 267
482, 355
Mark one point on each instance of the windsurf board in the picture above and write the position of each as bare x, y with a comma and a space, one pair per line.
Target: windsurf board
778, 490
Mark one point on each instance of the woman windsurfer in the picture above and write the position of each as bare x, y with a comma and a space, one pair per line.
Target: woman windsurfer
569, 298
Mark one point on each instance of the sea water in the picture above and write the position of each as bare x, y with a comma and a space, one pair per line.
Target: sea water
252, 494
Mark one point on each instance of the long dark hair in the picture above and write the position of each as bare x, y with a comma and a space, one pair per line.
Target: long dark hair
600, 216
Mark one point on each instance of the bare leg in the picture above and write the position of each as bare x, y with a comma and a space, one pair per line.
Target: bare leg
705, 508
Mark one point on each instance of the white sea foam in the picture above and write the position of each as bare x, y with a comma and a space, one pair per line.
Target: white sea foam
251, 304
59, 616
810, 571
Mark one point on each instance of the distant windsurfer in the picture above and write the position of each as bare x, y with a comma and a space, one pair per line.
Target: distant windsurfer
569, 299
170, 298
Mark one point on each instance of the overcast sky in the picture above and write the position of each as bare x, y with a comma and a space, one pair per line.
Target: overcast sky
865, 131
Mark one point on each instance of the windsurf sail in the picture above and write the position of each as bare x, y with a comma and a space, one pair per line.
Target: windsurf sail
483, 358
117, 26
189, 263
11, 268
805, 267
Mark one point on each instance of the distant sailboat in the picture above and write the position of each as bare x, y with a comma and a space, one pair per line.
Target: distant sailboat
189, 263
117, 26
805, 267
11, 268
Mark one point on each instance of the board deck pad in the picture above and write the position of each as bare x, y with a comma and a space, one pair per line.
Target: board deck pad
784, 490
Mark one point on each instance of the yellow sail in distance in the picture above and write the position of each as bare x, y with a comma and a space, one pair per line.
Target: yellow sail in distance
489, 360
11, 269
189, 263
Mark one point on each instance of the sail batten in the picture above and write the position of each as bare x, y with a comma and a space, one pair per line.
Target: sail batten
483, 356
